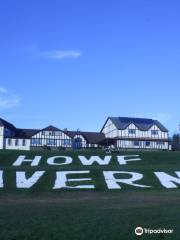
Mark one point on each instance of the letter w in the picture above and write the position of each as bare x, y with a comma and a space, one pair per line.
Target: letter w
96, 159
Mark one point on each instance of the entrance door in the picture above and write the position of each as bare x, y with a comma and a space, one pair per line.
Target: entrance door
77, 143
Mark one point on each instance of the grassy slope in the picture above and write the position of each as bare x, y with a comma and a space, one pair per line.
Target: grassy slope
42, 213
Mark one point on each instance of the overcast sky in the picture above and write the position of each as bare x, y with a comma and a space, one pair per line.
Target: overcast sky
74, 63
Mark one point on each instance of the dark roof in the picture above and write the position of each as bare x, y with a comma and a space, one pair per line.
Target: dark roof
4, 123
94, 137
107, 141
91, 137
51, 128
32, 132
143, 124
26, 133
18, 132
72, 133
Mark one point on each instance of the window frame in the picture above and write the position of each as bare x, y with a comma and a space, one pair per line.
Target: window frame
154, 132
131, 131
16, 142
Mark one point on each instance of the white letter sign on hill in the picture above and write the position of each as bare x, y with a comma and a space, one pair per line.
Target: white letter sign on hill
1, 179
123, 159
167, 180
51, 160
113, 183
62, 180
21, 159
23, 182
94, 159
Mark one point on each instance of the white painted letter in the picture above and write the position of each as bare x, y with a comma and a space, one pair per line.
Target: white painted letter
93, 159
23, 182
1, 179
68, 160
112, 182
123, 161
62, 180
22, 159
167, 180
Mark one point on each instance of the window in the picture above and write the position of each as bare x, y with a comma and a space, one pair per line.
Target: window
24, 142
36, 141
136, 143
47, 133
9, 141
66, 142
132, 131
51, 133
51, 142
148, 144
154, 132
17, 142
58, 133
160, 143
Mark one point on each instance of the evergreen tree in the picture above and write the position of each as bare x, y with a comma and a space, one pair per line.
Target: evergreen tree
176, 142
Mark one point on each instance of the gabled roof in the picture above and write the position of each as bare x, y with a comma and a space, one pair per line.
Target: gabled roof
91, 137
4, 123
73, 133
143, 124
51, 128
28, 133
48, 128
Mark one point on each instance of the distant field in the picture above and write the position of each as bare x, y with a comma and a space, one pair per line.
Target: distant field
42, 213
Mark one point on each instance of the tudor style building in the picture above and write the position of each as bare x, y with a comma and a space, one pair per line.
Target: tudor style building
26, 139
120, 132
136, 133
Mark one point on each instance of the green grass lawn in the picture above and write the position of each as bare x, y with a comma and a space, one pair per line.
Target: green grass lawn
43, 213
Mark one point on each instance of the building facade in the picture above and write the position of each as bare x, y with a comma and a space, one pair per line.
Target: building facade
117, 132
49, 137
136, 133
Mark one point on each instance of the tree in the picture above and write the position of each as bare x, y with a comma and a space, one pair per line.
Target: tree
176, 142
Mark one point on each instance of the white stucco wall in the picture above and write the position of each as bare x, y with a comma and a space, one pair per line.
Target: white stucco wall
19, 146
1, 137
110, 130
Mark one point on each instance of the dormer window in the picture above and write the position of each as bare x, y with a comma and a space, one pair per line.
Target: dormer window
132, 131
154, 132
